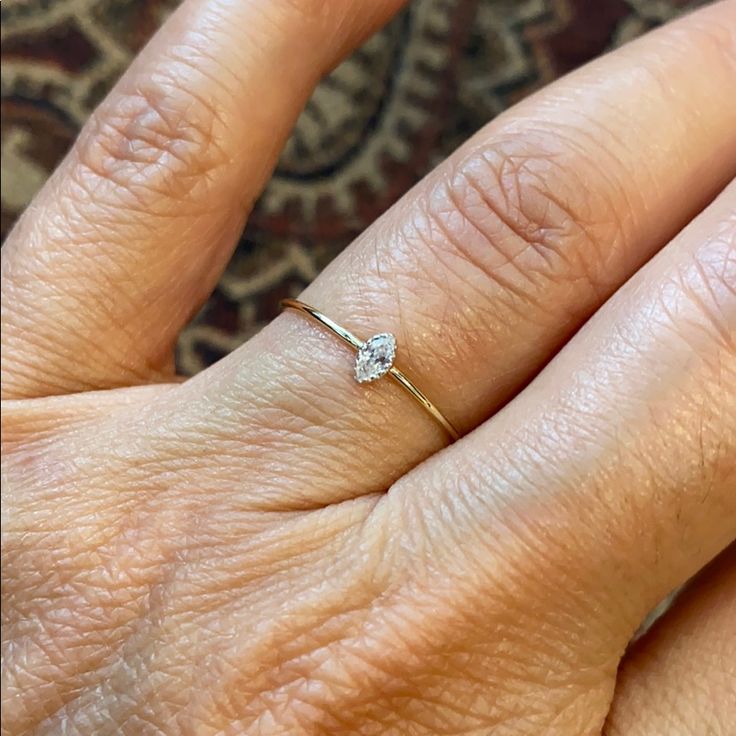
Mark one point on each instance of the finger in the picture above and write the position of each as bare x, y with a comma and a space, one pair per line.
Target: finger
133, 230
603, 486
483, 270
680, 679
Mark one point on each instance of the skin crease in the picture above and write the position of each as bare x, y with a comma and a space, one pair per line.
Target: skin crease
265, 549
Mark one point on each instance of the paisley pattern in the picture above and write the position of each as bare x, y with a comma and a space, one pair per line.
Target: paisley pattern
375, 125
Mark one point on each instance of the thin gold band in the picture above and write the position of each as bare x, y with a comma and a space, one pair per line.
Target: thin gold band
394, 372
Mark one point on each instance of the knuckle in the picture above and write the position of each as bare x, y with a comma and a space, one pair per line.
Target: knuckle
156, 136
531, 213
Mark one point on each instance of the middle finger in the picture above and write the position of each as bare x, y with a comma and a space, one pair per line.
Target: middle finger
484, 270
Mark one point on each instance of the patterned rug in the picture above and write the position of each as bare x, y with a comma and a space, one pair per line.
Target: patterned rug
375, 126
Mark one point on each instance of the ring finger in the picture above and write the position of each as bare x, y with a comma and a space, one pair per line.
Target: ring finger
483, 270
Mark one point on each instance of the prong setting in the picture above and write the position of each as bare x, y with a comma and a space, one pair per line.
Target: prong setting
375, 358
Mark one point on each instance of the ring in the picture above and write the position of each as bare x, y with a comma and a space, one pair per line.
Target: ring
374, 359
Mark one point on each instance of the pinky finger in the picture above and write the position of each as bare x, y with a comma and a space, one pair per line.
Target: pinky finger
680, 679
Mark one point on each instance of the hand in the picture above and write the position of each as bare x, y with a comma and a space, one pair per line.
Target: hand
269, 548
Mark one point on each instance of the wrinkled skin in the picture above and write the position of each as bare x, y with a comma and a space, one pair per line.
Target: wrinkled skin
269, 548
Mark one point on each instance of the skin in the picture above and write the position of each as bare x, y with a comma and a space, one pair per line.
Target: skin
692, 650
269, 548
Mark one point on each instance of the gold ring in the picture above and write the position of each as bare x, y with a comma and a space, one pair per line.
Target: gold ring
374, 360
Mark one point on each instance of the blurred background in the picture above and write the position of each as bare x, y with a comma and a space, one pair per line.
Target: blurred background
374, 127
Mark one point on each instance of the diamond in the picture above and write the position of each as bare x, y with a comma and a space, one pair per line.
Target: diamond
375, 357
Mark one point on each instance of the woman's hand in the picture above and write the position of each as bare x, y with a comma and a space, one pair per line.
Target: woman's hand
269, 548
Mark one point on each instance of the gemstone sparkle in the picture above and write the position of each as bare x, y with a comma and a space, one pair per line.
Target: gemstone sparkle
375, 357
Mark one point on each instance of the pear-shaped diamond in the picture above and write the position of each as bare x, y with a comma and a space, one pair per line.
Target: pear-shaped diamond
375, 357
